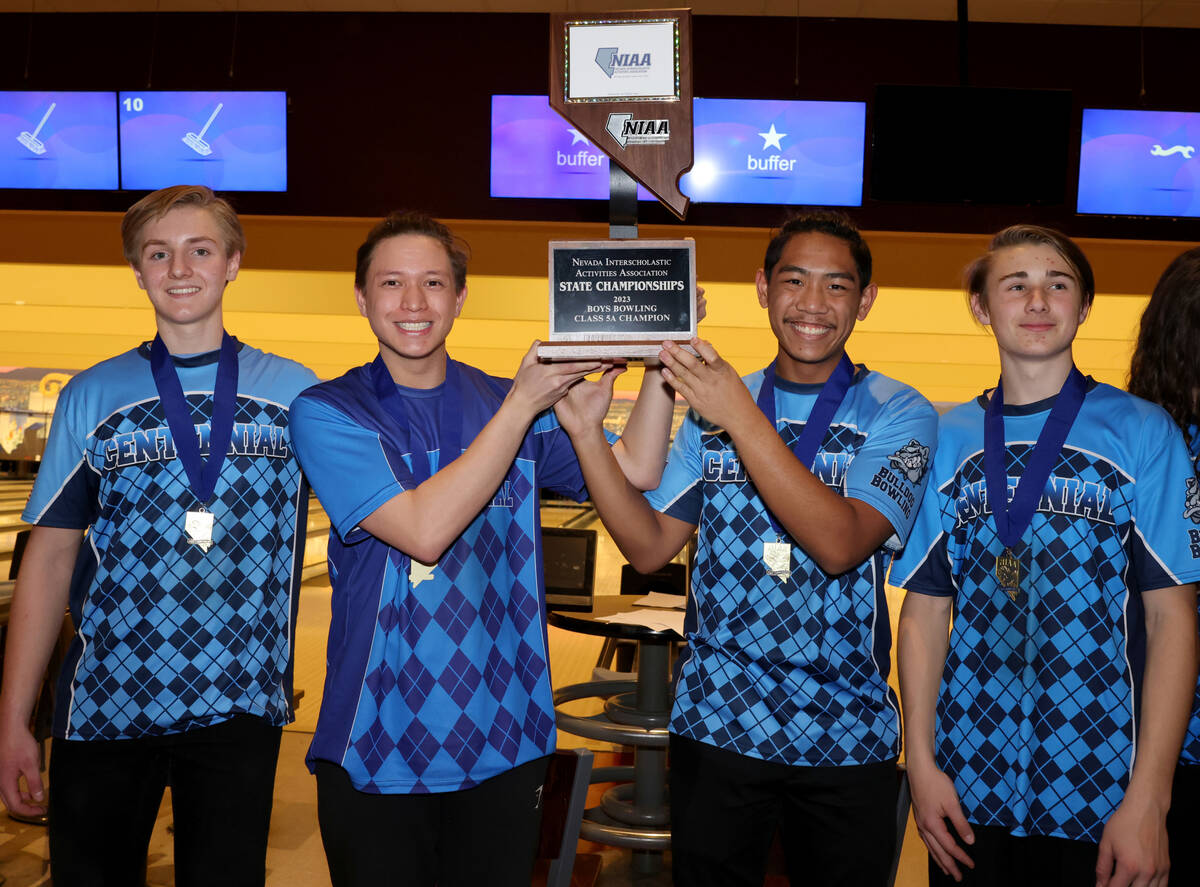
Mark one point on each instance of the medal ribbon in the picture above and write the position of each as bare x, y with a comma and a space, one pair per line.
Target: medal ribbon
1013, 518
202, 474
450, 416
819, 419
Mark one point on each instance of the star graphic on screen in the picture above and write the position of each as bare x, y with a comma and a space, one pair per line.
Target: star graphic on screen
577, 137
771, 138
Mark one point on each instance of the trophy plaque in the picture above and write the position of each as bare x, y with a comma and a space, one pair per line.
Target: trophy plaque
619, 298
624, 79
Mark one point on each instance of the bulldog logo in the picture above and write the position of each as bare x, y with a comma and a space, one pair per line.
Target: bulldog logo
912, 459
1191, 503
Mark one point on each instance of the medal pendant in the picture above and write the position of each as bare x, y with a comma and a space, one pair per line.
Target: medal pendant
1008, 574
419, 572
198, 525
778, 558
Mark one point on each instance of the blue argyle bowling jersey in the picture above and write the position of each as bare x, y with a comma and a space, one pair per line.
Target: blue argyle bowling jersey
1191, 743
439, 684
1037, 714
168, 637
794, 672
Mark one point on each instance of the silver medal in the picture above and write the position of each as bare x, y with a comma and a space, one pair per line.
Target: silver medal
198, 525
778, 558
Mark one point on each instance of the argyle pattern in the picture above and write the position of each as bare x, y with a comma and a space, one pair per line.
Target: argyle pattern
171, 637
1036, 721
783, 672
458, 678
437, 684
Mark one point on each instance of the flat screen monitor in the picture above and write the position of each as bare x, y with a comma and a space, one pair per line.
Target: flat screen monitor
230, 141
58, 140
536, 153
777, 152
961, 144
569, 561
1139, 163
746, 151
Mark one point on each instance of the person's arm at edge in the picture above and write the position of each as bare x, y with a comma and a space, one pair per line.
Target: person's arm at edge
648, 430
646, 537
423, 522
39, 602
838, 532
923, 641
642, 450
1133, 847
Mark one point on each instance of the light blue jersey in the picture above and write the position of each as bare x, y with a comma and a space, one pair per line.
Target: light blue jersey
1037, 715
795, 672
169, 637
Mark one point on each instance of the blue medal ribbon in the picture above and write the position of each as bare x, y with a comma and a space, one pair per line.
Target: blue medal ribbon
201, 473
1012, 519
450, 416
819, 419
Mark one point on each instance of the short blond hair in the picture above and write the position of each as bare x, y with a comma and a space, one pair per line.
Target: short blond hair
158, 203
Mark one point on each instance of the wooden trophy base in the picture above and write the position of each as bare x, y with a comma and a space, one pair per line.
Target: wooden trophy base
635, 352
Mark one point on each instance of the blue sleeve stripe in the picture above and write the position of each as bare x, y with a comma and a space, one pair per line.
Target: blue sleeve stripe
1145, 579
36, 519
930, 591
686, 505
912, 582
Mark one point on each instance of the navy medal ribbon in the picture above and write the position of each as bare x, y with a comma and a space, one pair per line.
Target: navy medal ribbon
1013, 518
778, 555
450, 419
201, 473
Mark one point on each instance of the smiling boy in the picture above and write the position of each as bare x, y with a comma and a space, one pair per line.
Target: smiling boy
174, 459
437, 717
801, 479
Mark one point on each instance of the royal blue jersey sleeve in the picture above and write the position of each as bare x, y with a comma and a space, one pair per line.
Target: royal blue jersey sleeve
890, 471
344, 462
679, 494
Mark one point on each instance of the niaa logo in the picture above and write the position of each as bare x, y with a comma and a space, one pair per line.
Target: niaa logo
612, 61
627, 131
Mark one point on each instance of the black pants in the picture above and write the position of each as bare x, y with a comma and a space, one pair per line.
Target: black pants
1004, 860
838, 823
1183, 826
105, 795
482, 835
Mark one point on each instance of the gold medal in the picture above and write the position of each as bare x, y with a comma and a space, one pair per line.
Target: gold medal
1008, 574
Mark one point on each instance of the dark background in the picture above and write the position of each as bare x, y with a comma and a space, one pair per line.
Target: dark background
392, 110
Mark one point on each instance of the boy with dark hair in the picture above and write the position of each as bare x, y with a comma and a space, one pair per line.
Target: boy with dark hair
437, 719
175, 461
801, 479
